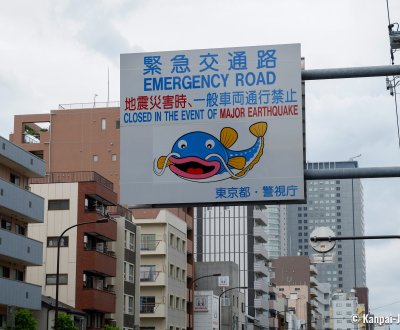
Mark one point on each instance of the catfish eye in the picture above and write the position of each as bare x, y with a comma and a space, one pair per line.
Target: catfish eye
182, 144
210, 144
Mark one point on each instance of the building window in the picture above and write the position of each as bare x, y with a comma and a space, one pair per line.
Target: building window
15, 179
21, 230
19, 275
52, 278
171, 301
95, 158
148, 242
129, 272
129, 303
7, 225
114, 157
4, 272
129, 240
103, 124
118, 124
147, 304
58, 204
52, 241
148, 273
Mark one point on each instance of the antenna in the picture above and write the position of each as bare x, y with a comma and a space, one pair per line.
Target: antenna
108, 85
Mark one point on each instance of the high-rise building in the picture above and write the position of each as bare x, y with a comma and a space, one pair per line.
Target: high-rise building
337, 204
238, 234
276, 231
18, 207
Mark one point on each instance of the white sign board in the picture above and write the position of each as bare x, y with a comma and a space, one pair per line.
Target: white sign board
212, 126
223, 281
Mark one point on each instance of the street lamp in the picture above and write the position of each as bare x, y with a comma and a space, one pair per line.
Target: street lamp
284, 318
192, 289
219, 301
102, 220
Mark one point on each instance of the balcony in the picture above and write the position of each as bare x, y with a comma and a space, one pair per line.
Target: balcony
313, 281
21, 160
99, 300
152, 310
261, 285
20, 249
105, 231
20, 294
154, 278
261, 303
21, 203
262, 319
99, 263
313, 270
260, 218
153, 247
260, 233
260, 250
260, 267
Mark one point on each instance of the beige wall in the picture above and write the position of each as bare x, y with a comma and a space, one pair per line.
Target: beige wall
55, 222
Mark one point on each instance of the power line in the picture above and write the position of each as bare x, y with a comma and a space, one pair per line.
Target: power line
393, 303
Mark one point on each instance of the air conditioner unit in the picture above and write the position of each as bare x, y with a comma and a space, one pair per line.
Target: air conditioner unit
110, 281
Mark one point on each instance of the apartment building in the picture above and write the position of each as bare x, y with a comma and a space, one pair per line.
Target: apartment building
87, 259
18, 207
165, 271
296, 278
344, 306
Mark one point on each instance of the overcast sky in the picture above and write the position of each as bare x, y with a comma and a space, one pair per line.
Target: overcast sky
57, 52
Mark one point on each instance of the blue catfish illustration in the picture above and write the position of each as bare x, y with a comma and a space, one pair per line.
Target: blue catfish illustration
201, 157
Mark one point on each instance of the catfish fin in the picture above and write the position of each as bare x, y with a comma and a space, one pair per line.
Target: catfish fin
237, 162
259, 129
228, 137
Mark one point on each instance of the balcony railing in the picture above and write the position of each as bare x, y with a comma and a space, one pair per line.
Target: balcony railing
21, 201
89, 105
67, 177
149, 276
149, 245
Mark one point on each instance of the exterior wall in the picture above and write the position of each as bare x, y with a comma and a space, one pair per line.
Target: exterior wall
54, 224
126, 253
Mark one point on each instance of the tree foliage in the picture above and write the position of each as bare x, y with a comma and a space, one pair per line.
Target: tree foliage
65, 322
24, 320
110, 327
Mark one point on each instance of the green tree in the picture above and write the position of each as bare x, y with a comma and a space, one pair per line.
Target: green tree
110, 327
65, 322
24, 320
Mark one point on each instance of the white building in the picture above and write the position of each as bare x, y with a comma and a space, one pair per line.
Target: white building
206, 310
344, 306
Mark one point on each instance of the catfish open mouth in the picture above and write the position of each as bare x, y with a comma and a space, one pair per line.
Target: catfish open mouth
194, 167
